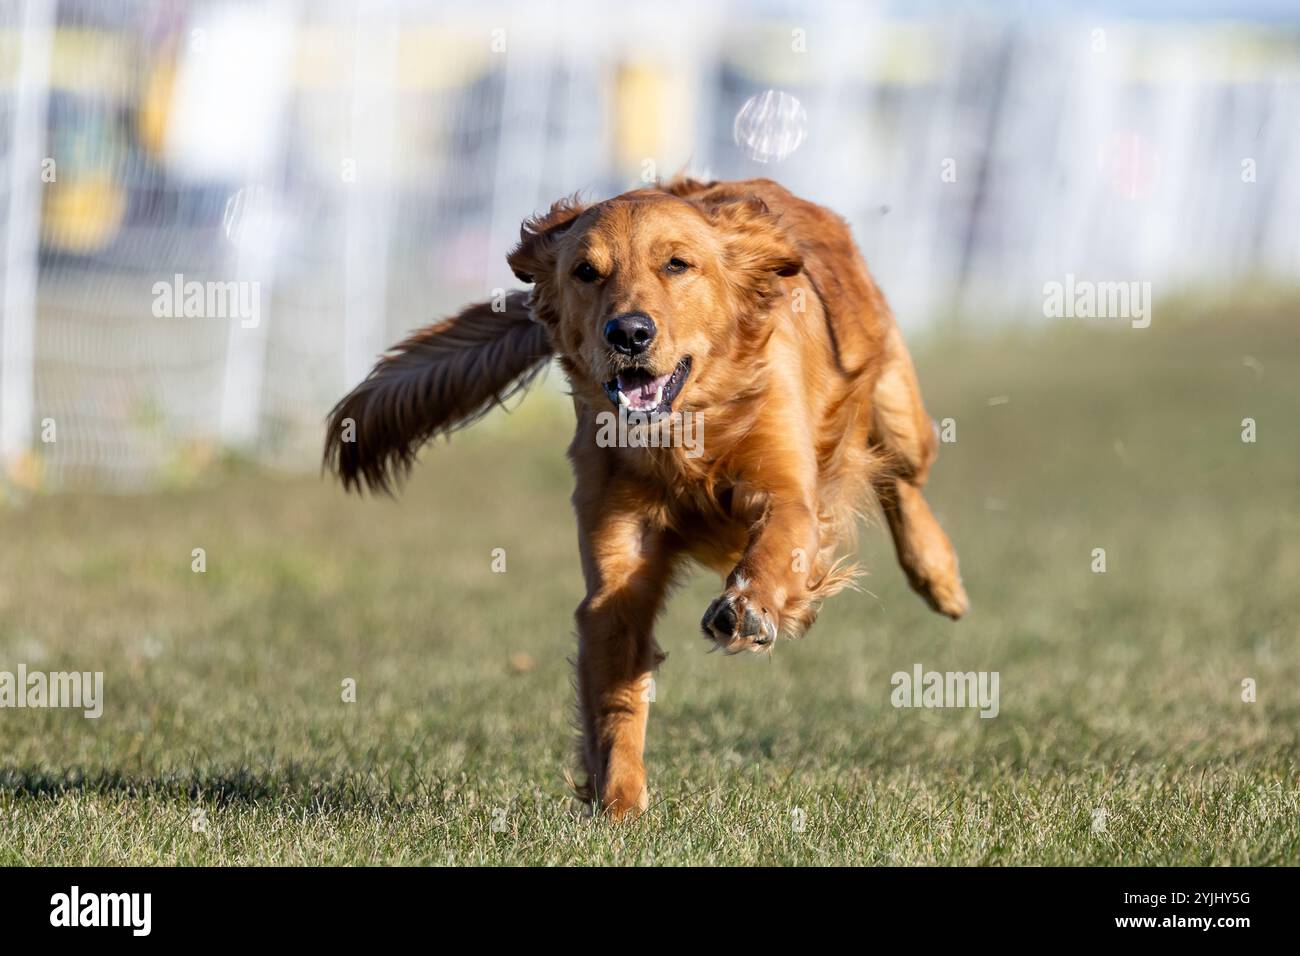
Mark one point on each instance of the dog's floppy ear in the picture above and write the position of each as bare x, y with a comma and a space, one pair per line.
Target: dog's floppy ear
757, 245
535, 254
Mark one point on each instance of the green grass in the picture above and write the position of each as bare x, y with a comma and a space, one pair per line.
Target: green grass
1119, 691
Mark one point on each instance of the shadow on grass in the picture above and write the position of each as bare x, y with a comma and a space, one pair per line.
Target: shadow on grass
292, 786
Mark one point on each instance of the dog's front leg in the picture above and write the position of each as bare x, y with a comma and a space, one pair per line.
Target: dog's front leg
627, 565
768, 591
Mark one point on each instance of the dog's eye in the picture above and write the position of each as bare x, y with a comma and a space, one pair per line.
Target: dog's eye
676, 266
586, 272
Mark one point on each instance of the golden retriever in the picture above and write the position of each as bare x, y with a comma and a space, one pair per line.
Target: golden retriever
735, 306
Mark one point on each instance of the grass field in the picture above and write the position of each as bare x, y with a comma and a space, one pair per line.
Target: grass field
225, 739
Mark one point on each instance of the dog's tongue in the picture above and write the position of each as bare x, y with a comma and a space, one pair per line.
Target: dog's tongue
642, 389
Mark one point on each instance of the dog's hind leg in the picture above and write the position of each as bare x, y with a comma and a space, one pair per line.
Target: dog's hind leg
904, 435
627, 564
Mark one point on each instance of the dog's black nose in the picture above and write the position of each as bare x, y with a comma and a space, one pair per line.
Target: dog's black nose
630, 333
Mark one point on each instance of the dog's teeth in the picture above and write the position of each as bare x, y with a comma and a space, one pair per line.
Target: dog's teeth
624, 400
659, 395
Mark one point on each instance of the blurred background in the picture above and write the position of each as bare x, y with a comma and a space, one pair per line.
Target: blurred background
362, 168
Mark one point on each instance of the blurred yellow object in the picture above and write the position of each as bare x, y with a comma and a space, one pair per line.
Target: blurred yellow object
82, 216
25, 472
155, 105
426, 58
639, 118
654, 116
522, 663
93, 62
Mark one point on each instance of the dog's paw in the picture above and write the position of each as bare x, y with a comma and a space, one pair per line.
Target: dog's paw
735, 621
950, 599
944, 593
625, 800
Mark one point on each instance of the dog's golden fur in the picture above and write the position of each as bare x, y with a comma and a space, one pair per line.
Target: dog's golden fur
793, 361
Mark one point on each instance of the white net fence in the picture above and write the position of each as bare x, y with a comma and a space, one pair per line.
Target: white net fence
214, 215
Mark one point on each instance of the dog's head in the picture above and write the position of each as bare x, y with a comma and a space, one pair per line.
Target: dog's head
654, 301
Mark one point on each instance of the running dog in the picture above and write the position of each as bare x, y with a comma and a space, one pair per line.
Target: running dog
734, 302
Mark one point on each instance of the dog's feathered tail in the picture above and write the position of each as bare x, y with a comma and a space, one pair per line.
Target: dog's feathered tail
441, 378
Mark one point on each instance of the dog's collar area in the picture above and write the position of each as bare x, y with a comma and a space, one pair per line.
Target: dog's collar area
636, 390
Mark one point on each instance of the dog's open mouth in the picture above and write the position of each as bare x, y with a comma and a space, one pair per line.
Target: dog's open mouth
638, 391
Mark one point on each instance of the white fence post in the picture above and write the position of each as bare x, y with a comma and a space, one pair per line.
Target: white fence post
22, 239
241, 408
369, 205
522, 138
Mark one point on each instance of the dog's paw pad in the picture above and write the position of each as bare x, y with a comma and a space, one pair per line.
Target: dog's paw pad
735, 623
